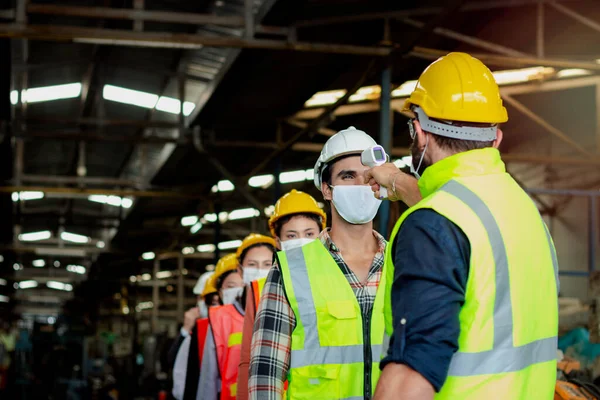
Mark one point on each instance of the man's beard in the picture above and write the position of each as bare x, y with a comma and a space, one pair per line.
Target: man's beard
416, 157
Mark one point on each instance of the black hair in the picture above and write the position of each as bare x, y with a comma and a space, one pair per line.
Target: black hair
208, 299
284, 220
326, 174
246, 250
223, 277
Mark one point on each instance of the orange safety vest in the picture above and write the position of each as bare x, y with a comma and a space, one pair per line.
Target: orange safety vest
227, 325
201, 329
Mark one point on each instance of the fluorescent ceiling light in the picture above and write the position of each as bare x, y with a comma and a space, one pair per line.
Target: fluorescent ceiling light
35, 236
56, 264
16, 196
244, 213
292, 176
38, 263
261, 181
146, 305
510, 76
27, 284
269, 210
171, 105
223, 186
1, 258
405, 89
189, 220
17, 267
59, 286
126, 202
148, 255
223, 216
100, 244
324, 98
187, 250
125, 310
206, 248
572, 72
3, 282
230, 244
132, 279
14, 97
78, 269
129, 96
146, 277
74, 238
4, 299
366, 93
210, 217
310, 174
164, 274
197, 226
114, 201
50, 93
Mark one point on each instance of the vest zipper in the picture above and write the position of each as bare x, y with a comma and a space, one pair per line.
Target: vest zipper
367, 354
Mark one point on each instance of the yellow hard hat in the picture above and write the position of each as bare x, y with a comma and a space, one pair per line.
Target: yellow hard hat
296, 202
458, 87
210, 287
251, 240
225, 264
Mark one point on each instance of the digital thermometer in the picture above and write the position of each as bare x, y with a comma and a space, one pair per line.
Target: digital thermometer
375, 156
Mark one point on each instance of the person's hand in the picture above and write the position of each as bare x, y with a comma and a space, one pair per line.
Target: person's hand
189, 318
385, 175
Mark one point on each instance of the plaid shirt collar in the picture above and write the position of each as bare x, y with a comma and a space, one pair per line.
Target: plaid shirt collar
325, 238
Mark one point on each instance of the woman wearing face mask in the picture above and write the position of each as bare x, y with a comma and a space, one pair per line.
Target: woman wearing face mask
296, 220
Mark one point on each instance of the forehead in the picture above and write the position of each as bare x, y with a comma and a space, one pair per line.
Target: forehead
351, 163
299, 222
259, 252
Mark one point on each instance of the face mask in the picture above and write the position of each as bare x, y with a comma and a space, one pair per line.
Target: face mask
355, 203
294, 243
203, 309
251, 274
229, 295
413, 170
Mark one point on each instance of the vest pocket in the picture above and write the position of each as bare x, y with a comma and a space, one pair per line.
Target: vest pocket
315, 382
340, 324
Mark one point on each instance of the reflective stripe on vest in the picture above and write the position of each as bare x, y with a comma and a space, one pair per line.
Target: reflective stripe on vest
313, 353
257, 288
504, 356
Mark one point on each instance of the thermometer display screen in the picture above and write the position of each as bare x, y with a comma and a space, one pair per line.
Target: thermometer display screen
378, 154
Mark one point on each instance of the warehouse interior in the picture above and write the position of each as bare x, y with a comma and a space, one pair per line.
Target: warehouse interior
141, 140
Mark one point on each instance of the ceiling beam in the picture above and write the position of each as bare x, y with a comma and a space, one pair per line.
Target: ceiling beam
167, 194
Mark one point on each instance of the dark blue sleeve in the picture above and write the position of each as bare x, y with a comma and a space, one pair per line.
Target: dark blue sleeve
431, 258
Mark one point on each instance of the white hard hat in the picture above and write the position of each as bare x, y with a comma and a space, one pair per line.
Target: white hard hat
199, 288
348, 141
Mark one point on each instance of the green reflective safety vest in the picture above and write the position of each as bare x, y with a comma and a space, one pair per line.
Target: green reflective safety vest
334, 354
509, 322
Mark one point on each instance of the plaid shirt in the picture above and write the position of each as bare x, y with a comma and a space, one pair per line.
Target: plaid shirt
275, 321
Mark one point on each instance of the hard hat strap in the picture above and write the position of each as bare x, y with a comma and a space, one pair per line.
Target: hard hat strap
447, 129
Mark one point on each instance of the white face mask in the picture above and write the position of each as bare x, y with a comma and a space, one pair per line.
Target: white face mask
355, 203
251, 274
203, 309
295, 243
230, 294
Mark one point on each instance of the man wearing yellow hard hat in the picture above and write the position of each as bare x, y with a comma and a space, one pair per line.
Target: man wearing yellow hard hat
472, 273
320, 322
222, 349
296, 221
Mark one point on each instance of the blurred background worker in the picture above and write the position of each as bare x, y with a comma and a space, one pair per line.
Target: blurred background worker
320, 320
472, 269
297, 220
220, 362
225, 281
181, 346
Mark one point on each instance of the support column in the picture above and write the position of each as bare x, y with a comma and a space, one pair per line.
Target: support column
249, 18
217, 237
540, 29
138, 25
593, 231
180, 267
385, 135
155, 301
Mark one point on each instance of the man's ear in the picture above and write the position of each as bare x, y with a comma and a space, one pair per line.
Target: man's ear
326, 190
421, 135
499, 136
278, 242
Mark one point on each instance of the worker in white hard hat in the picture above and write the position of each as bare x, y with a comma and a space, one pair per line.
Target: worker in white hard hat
320, 323
180, 349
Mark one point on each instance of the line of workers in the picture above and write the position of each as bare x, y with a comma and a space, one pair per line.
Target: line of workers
213, 349
461, 304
